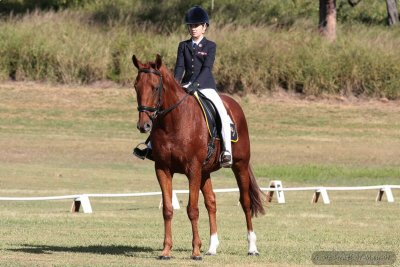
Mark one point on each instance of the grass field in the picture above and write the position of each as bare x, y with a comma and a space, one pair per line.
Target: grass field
67, 140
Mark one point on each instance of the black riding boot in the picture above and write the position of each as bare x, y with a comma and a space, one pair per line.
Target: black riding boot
143, 153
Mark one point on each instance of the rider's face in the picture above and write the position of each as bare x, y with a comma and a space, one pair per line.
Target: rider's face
197, 30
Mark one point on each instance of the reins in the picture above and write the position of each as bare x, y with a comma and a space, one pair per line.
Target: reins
157, 111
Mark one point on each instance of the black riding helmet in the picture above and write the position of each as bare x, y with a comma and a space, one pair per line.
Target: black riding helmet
196, 15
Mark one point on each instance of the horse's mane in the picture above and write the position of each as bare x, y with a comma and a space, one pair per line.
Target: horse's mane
168, 78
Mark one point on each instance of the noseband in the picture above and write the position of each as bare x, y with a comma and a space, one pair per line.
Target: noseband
157, 109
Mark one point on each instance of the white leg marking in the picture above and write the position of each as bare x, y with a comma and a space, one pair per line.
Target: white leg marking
252, 238
214, 243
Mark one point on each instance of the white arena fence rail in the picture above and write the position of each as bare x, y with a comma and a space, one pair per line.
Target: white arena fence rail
275, 187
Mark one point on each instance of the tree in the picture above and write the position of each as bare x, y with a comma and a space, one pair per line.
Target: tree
391, 5
327, 19
393, 14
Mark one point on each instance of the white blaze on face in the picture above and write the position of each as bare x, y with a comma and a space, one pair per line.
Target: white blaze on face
252, 238
214, 243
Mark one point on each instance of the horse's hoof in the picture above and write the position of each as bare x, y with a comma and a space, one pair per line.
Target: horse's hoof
164, 258
210, 254
197, 258
255, 253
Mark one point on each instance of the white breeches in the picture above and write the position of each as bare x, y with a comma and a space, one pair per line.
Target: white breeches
225, 120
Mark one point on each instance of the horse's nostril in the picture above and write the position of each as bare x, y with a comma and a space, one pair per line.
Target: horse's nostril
147, 126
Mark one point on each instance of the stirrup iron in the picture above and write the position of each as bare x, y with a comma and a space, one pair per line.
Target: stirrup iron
225, 160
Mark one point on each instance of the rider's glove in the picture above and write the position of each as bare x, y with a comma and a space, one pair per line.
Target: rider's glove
192, 88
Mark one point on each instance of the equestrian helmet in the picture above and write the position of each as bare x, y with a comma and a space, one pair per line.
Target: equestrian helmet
196, 15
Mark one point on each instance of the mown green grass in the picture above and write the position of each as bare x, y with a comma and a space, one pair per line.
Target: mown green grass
129, 232
66, 140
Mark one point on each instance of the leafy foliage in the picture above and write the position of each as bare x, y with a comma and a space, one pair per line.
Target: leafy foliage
262, 45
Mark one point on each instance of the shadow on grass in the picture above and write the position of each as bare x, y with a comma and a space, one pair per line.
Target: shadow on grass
102, 250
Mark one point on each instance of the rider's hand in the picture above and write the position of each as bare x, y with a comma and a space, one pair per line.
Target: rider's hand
192, 88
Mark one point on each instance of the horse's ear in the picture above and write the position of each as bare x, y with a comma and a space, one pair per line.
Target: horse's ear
136, 62
158, 62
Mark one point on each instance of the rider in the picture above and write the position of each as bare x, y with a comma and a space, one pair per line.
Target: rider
195, 59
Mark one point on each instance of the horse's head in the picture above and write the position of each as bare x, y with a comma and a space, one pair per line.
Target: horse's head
149, 88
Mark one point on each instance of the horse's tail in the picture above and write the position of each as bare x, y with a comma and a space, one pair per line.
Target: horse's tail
256, 195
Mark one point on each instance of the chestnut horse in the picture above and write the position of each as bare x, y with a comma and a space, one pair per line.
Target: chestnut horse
179, 139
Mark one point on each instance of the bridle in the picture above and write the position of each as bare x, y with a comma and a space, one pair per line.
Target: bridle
157, 109
159, 89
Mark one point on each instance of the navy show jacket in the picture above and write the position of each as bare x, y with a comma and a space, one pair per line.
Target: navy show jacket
195, 64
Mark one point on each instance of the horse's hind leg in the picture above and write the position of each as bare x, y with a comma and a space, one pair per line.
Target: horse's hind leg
209, 201
241, 171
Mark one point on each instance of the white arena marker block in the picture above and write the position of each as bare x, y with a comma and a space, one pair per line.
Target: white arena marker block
279, 194
175, 202
81, 201
324, 193
325, 197
385, 190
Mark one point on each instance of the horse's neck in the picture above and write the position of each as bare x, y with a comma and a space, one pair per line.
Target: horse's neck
173, 93
182, 113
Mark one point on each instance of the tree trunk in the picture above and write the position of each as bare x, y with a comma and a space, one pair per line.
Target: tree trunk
393, 14
327, 19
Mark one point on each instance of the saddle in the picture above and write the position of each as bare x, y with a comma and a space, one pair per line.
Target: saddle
213, 122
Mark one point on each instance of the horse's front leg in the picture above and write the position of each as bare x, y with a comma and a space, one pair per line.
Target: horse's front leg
209, 201
165, 181
193, 211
